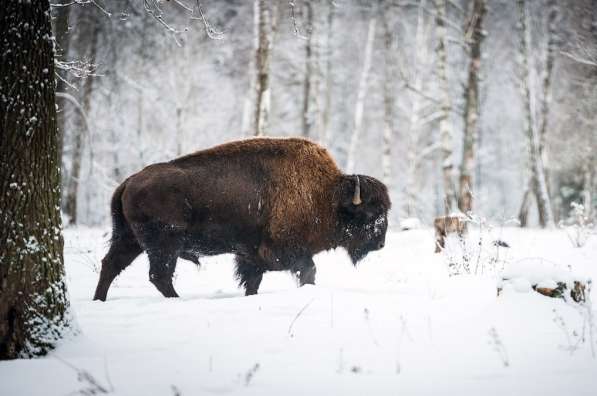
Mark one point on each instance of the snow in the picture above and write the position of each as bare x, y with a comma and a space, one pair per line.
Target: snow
396, 324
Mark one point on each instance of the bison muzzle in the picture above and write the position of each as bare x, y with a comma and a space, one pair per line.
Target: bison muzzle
274, 203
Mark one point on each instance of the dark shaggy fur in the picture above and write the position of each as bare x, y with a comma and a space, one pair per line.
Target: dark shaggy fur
274, 203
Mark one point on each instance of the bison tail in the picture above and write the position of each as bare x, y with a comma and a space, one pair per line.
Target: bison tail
120, 226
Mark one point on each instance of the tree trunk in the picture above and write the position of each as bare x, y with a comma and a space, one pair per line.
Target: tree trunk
361, 93
445, 126
409, 206
327, 105
34, 307
264, 30
537, 179
308, 91
388, 93
72, 187
60, 29
471, 110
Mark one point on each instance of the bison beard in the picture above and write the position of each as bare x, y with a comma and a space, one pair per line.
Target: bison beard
274, 203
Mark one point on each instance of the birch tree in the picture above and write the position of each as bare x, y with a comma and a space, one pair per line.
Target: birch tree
445, 126
536, 168
264, 25
534, 185
310, 90
414, 125
362, 92
388, 92
474, 36
34, 306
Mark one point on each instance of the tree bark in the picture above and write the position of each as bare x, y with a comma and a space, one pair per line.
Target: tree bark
264, 30
409, 208
34, 307
471, 109
361, 93
538, 179
445, 126
308, 91
546, 85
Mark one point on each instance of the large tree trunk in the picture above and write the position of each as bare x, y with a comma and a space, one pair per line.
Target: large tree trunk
264, 13
79, 131
34, 307
361, 93
445, 126
538, 179
471, 109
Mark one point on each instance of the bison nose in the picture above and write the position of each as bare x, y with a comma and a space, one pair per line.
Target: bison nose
380, 245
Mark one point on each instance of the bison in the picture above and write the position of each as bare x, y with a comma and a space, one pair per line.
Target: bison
274, 203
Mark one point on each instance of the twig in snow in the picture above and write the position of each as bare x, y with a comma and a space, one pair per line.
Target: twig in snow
297, 316
251, 373
366, 312
498, 346
92, 385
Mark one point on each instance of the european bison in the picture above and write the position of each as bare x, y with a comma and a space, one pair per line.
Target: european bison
274, 203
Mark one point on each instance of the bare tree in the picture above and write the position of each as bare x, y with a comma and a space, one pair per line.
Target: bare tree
60, 28
474, 36
414, 127
34, 307
80, 129
310, 79
538, 179
362, 92
327, 101
445, 126
388, 91
265, 25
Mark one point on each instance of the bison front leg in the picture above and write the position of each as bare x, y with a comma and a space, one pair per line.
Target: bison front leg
249, 274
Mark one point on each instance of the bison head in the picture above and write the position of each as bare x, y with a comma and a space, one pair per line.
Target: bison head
363, 214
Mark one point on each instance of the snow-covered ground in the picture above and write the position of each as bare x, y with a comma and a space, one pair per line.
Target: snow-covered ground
398, 324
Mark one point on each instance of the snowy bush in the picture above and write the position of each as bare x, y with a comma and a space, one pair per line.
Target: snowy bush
580, 228
480, 251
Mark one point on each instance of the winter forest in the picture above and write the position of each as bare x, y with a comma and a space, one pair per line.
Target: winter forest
326, 197
496, 98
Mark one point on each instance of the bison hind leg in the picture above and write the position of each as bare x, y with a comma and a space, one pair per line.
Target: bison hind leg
123, 251
163, 244
249, 274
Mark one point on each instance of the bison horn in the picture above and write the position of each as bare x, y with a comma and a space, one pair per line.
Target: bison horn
356, 198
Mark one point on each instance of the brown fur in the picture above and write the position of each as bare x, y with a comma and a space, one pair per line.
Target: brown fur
272, 202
